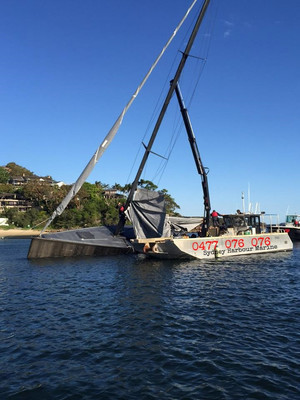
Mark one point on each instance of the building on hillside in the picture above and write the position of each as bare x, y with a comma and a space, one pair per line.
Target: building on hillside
111, 194
14, 200
23, 180
18, 180
59, 184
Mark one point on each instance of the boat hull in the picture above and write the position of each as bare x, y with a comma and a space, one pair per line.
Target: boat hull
294, 232
213, 247
45, 248
98, 241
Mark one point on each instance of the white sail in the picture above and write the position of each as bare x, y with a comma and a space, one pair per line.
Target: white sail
109, 137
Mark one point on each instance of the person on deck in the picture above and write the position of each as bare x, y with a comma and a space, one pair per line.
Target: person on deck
215, 219
121, 209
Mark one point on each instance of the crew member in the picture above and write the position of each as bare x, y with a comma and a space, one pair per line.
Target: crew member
215, 219
122, 216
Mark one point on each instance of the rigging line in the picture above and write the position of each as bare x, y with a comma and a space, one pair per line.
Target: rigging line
198, 76
40, 223
160, 98
164, 162
174, 138
161, 172
113, 131
197, 57
211, 22
154, 114
178, 124
152, 118
193, 84
204, 47
177, 127
200, 65
177, 130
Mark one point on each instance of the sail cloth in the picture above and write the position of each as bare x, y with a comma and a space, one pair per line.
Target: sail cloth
109, 137
179, 224
149, 219
148, 215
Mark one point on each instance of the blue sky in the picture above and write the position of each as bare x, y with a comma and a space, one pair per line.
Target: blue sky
68, 67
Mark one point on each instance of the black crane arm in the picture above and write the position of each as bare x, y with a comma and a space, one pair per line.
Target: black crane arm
200, 168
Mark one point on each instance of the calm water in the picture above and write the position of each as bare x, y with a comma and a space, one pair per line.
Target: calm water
129, 328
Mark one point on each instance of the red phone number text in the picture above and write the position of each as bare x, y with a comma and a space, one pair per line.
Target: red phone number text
231, 243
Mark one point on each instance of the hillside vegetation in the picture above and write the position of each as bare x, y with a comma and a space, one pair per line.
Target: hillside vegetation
95, 204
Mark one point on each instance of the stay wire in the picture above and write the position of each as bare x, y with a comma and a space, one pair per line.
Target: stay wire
160, 100
199, 68
178, 123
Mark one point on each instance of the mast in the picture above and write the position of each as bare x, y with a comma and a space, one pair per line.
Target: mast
113, 131
181, 65
200, 168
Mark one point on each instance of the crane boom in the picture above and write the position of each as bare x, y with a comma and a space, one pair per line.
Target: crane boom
200, 168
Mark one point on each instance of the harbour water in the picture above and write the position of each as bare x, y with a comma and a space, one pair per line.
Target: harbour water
131, 328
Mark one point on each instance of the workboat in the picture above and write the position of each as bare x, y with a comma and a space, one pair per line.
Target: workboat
291, 226
235, 235
97, 241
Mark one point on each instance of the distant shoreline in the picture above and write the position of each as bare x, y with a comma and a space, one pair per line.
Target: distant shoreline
18, 233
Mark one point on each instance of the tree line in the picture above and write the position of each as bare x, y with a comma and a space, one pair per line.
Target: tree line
90, 207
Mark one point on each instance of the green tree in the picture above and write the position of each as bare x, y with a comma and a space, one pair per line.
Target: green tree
4, 175
17, 170
30, 218
6, 188
43, 195
10, 214
170, 203
118, 187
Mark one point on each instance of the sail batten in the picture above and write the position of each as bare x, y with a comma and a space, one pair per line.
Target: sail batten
109, 137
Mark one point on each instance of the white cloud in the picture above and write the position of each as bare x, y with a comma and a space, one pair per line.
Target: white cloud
229, 25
